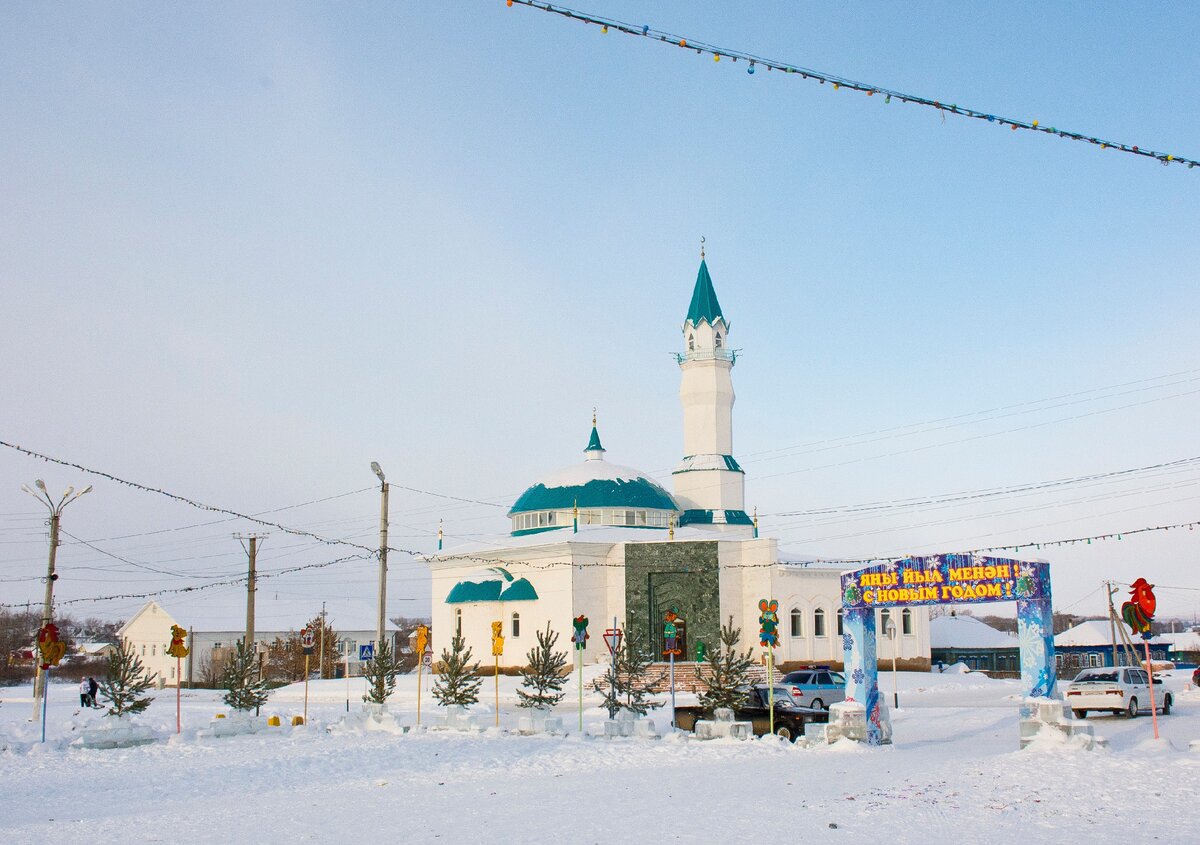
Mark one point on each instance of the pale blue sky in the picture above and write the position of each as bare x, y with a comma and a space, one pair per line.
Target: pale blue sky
246, 251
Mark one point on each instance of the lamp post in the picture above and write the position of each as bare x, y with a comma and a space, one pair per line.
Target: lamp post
891, 635
383, 550
51, 576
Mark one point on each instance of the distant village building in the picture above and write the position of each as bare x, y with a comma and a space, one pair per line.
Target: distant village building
607, 541
971, 641
213, 636
1090, 644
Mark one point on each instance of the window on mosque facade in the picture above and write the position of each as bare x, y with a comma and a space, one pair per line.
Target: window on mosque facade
797, 622
818, 622
691, 343
906, 623
458, 621
516, 625
717, 340
841, 621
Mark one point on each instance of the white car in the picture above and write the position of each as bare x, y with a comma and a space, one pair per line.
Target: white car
1119, 690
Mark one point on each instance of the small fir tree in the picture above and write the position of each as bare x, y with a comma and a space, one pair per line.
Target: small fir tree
543, 677
245, 690
125, 682
457, 683
380, 672
631, 686
728, 677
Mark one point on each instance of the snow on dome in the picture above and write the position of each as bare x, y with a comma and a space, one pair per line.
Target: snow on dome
967, 632
594, 484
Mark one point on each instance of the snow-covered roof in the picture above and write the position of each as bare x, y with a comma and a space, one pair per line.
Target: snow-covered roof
1096, 632
594, 484
95, 648
967, 632
1182, 640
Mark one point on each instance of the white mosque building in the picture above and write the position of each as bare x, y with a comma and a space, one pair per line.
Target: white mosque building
605, 541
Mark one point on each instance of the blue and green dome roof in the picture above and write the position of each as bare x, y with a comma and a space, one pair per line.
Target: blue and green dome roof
594, 484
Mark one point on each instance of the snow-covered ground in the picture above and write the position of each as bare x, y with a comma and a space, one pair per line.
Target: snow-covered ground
953, 775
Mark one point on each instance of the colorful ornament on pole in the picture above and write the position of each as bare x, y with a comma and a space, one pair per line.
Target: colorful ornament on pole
580, 636
497, 638
50, 646
768, 623
422, 639
177, 648
307, 638
671, 635
1138, 612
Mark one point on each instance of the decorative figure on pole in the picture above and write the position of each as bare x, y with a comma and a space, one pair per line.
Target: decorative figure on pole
179, 650
422, 644
52, 650
670, 649
306, 645
497, 650
1138, 613
580, 638
768, 635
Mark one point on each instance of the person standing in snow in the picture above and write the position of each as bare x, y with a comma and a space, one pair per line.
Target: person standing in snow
93, 688
85, 693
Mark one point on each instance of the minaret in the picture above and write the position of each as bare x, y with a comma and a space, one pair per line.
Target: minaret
709, 484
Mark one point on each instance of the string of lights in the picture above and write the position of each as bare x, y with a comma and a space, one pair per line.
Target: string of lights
989, 492
837, 83
557, 564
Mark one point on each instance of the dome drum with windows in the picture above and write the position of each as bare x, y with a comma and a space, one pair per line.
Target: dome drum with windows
593, 493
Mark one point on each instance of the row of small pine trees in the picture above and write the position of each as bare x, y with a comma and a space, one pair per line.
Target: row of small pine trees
627, 684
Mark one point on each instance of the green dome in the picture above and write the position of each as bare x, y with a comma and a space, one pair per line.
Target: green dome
594, 484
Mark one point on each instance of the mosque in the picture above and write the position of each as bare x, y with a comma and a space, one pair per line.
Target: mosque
606, 541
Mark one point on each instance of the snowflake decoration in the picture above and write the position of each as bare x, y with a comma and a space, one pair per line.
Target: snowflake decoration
847, 642
858, 676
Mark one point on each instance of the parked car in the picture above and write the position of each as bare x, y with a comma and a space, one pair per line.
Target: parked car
815, 687
1117, 690
790, 718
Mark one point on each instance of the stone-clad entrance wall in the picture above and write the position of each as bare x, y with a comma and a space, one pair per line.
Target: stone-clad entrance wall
683, 576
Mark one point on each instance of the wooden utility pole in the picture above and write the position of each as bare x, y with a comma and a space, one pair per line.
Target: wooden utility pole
321, 651
252, 553
1112, 620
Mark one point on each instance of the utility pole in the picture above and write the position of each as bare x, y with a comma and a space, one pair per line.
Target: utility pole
383, 550
252, 553
39, 678
321, 651
1112, 619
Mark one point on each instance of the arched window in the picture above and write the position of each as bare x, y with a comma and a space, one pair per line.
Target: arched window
841, 621
717, 340
906, 627
691, 343
797, 622
458, 621
819, 622
516, 625
885, 616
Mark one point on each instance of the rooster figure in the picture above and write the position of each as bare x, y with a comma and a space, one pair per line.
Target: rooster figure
1139, 610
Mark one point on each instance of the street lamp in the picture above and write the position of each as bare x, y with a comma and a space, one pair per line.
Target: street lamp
56, 509
890, 630
383, 550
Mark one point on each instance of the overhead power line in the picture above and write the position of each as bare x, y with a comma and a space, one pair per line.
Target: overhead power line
838, 82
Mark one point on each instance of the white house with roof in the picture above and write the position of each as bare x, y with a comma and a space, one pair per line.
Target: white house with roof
216, 627
608, 542
974, 643
1090, 643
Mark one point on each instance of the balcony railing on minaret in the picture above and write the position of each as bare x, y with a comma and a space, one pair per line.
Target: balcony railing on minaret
722, 354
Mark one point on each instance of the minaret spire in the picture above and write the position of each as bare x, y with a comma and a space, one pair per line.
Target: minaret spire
709, 484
